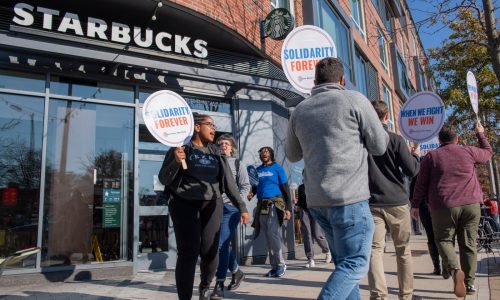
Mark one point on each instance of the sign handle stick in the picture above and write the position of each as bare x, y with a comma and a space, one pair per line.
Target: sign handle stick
184, 165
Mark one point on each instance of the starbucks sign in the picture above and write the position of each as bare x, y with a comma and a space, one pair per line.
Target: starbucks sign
278, 23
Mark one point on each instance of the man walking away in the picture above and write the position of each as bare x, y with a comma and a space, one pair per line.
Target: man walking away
448, 179
389, 207
334, 130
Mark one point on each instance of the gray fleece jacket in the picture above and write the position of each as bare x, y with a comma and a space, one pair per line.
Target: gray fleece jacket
334, 130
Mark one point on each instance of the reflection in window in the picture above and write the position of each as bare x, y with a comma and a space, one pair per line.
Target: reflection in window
386, 94
359, 64
280, 4
338, 30
91, 90
150, 188
153, 234
382, 47
358, 16
403, 79
194, 102
90, 178
22, 81
21, 125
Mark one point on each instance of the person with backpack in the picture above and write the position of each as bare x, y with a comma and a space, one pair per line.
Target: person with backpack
230, 221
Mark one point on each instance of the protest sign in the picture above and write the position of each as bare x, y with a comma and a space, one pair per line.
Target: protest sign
168, 118
301, 51
429, 145
422, 117
472, 89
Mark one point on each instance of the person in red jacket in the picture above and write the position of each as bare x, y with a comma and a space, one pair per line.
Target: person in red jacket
493, 211
448, 179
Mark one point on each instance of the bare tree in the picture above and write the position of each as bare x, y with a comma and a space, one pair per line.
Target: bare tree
446, 12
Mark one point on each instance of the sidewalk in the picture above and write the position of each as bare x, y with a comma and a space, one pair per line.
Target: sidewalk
298, 282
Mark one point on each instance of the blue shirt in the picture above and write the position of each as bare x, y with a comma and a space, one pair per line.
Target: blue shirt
270, 179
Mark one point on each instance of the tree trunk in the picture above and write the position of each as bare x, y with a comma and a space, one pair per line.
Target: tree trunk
492, 34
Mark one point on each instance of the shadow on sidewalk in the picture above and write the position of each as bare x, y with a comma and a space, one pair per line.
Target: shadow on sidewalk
56, 296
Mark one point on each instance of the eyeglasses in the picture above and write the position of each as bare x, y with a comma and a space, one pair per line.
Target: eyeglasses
209, 124
227, 143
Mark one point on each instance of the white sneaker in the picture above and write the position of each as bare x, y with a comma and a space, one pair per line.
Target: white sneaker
310, 263
328, 257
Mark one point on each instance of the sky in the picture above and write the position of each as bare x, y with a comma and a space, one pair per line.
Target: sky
431, 37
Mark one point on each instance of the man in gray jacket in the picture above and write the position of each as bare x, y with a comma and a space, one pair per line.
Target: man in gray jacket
334, 130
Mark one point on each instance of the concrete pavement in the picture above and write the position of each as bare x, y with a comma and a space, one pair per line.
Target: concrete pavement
298, 282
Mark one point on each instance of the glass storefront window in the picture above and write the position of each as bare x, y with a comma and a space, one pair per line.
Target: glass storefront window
22, 81
198, 103
89, 183
91, 90
153, 234
21, 127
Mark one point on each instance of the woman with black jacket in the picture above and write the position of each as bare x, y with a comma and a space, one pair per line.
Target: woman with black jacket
195, 204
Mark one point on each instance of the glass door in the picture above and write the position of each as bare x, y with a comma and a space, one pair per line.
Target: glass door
156, 246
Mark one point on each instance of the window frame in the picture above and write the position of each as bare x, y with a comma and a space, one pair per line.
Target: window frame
344, 21
359, 24
383, 55
387, 91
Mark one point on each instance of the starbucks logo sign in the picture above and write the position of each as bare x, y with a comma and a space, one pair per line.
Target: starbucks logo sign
278, 23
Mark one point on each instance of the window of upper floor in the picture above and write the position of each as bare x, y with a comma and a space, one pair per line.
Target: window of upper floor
330, 20
358, 16
387, 97
383, 50
366, 77
384, 10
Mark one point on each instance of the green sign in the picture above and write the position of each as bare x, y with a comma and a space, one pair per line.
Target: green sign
111, 208
278, 23
111, 213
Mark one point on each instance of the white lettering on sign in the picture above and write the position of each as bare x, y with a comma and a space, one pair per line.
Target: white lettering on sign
24, 15
47, 16
70, 21
97, 26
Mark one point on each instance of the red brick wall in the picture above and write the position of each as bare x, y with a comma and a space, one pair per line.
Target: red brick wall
243, 16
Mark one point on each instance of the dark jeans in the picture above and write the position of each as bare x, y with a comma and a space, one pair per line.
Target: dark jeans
230, 221
197, 228
310, 230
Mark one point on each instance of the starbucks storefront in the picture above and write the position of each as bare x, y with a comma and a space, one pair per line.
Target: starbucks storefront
78, 166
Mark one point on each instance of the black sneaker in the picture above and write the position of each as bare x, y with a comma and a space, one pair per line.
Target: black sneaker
437, 270
446, 272
271, 273
471, 290
204, 293
218, 292
236, 280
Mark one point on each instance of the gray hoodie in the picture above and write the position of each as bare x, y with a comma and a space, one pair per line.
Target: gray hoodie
241, 179
334, 130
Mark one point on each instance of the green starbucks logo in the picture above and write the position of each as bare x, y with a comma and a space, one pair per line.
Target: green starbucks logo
278, 23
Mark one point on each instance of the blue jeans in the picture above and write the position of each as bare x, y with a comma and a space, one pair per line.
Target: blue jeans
349, 232
230, 221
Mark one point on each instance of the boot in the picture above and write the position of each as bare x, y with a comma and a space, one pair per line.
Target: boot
204, 292
236, 279
218, 292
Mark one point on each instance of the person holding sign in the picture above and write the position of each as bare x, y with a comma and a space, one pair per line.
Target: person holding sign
390, 210
195, 204
230, 220
334, 130
448, 179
